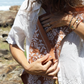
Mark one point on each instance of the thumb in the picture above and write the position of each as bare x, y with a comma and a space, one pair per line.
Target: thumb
44, 58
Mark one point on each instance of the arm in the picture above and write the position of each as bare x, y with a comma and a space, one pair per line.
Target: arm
36, 67
61, 19
79, 29
19, 56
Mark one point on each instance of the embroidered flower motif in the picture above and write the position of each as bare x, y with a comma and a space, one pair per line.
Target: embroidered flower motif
55, 37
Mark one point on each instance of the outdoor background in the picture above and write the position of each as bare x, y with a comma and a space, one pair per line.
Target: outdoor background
10, 70
5, 4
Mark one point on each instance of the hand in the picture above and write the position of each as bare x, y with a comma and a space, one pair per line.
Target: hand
36, 68
53, 70
54, 20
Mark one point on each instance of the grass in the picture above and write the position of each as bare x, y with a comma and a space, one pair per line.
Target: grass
25, 53
6, 28
4, 45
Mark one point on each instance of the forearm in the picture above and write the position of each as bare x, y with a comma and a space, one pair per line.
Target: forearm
36, 67
19, 56
79, 29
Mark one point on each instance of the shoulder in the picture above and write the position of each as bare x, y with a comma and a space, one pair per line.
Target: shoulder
30, 5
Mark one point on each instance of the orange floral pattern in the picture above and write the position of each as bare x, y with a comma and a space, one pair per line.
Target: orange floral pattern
55, 37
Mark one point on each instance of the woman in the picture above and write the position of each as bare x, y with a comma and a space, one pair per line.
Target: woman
72, 52
24, 27
70, 57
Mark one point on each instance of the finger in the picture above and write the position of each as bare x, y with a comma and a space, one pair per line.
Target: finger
46, 25
49, 22
52, 68
45, 17
48, 64
44, 58
46, 21
50, 28
54, 72
55, 78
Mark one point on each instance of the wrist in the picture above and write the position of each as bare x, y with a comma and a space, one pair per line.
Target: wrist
67, 18
26, 66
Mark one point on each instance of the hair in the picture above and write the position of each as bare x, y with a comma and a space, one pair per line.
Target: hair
56, 4
75, 3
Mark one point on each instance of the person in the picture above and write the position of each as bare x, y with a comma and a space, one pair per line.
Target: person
61, 13
72, 46
24, 27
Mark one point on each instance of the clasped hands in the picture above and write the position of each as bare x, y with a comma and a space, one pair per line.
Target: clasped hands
48, 70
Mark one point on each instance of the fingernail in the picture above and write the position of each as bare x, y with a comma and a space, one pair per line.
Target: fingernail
55, 78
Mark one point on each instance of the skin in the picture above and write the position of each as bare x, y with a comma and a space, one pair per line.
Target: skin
48, 70
62, 19
35, 68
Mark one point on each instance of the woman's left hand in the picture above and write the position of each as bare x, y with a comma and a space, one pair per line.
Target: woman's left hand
54, 20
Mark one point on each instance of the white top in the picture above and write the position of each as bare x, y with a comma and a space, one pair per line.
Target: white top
72, 54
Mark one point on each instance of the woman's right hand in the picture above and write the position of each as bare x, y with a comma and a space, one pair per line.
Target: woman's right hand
55, 20
37, 68
47, 70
